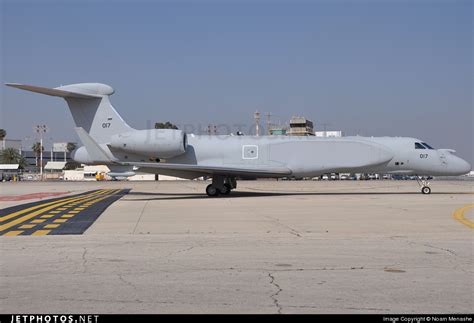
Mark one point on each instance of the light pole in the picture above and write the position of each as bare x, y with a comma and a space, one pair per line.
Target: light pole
257, 123
41, 129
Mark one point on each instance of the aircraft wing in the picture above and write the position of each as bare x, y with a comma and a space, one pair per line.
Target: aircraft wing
237, 170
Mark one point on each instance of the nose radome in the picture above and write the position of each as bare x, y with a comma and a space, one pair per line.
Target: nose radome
466, 167
459, 165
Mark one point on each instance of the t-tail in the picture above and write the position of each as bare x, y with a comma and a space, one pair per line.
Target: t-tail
90, 107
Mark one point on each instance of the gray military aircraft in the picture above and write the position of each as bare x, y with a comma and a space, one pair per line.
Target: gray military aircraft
109, 140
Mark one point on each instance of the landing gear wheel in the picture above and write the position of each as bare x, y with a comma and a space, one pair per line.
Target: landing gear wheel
212, 190
226, 189
425, 190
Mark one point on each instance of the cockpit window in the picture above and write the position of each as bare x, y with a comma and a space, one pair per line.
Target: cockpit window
427, 146
419, 146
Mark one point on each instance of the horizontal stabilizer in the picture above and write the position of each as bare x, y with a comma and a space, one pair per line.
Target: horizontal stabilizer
95, 151
53, 92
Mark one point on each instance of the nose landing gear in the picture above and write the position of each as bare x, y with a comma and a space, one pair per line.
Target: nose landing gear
425, 185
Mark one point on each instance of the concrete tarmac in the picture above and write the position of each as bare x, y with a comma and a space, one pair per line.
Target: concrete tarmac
270, 247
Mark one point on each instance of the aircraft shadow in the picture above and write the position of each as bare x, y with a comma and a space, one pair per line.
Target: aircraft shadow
237, 194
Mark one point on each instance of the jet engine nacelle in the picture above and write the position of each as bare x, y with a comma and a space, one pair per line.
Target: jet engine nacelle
160, 143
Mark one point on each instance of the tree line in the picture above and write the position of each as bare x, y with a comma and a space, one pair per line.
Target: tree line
13, 156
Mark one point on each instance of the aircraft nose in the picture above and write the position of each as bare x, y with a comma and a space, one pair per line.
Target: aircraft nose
458, 166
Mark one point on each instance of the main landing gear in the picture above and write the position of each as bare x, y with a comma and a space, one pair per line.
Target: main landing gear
424, 184
221, 186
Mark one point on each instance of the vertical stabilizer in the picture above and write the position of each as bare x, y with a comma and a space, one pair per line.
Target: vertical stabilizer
90, 107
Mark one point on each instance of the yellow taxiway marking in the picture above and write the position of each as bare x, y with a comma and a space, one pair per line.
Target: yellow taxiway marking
47, 216
459, 215
40, 232
68, 216
60, 220
38, 221
48, 208
55, 212
51, 226
61, 208
27, 226
66, 200
79, 208
73, 212
13, 233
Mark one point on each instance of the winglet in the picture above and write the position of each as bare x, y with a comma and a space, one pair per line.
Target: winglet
95, 151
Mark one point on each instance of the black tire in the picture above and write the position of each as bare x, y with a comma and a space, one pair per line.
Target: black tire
211, 191
425, 190
226, 190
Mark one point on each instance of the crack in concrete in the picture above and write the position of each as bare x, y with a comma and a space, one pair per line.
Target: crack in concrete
184, 250
466, 271
275, 295
140, 217
347, 308
431, 246
292, 230
439, 248
411, 243
171, 254
325, 268
125, 301
366, 309
95, 300
126, 282
84, 260
257, 269
179, 251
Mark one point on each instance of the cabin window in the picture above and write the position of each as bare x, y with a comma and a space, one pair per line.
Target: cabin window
419, 146
427, 146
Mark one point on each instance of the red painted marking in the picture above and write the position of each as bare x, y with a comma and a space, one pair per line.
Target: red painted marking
30, 196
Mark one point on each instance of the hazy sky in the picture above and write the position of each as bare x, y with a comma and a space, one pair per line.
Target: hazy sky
395, 68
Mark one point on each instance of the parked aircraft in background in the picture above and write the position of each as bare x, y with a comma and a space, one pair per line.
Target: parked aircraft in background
108, 139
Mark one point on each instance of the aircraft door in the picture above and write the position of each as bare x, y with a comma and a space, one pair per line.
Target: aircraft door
443, 158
